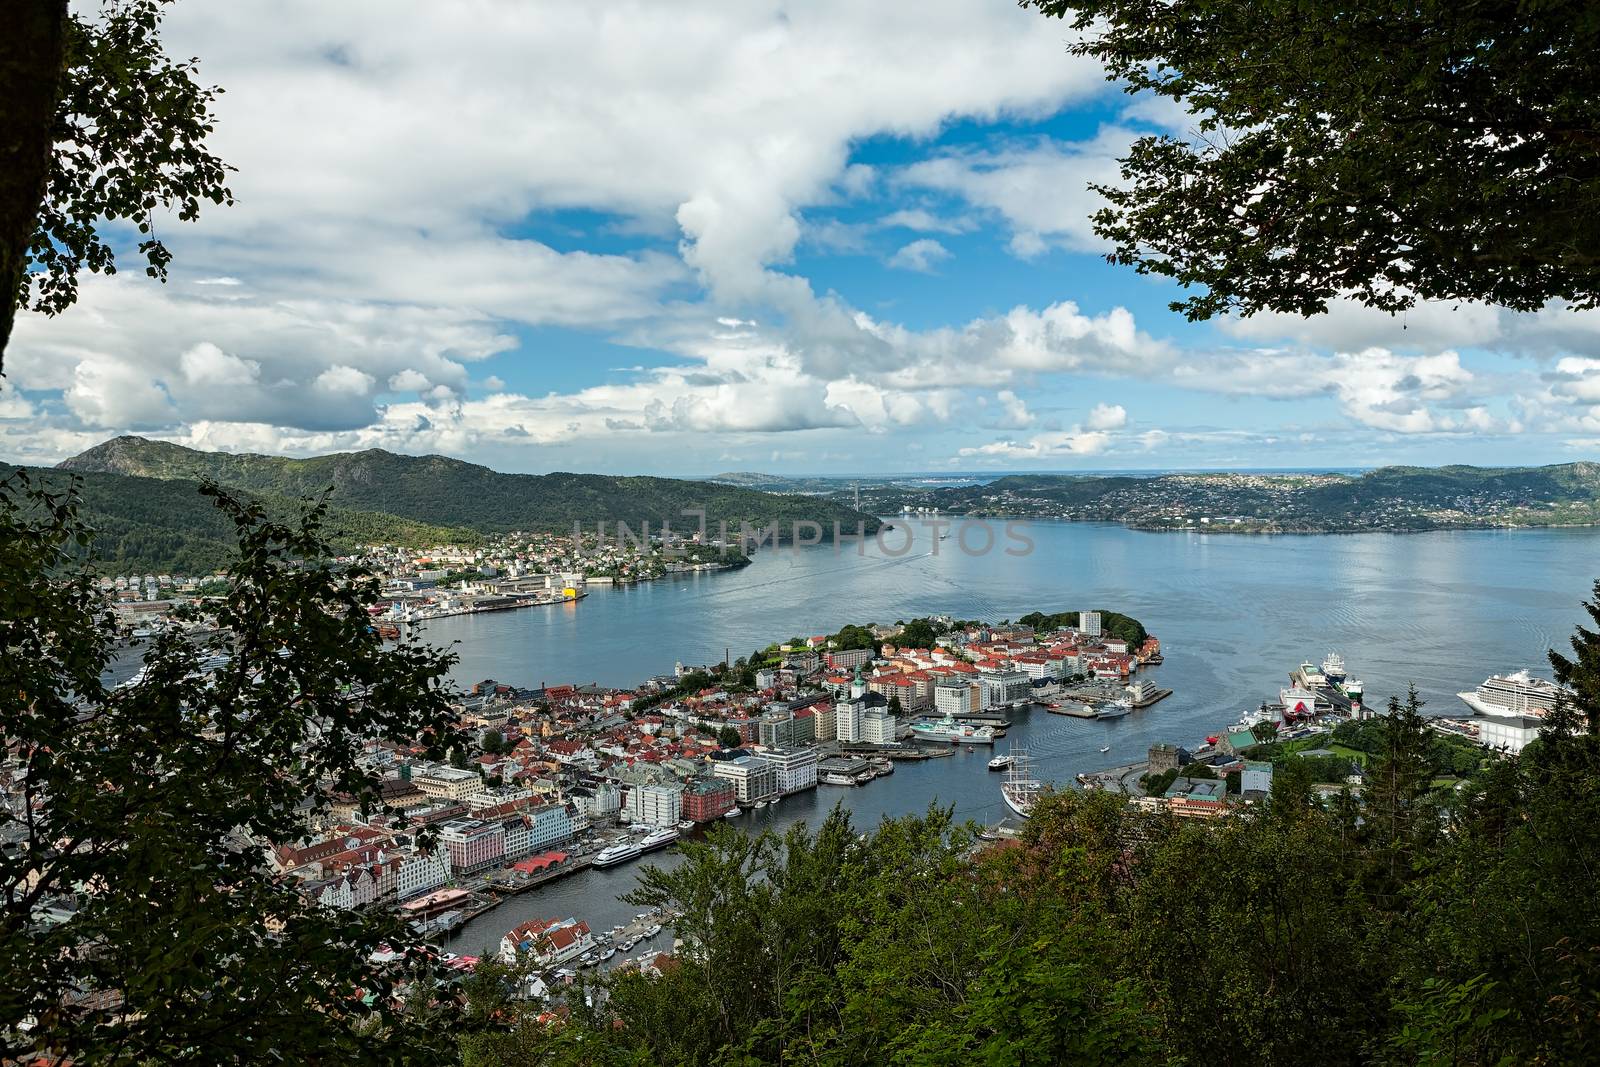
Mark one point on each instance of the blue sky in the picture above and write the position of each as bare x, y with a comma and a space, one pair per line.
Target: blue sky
827, 237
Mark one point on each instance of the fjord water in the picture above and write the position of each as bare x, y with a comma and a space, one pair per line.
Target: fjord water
1235, 614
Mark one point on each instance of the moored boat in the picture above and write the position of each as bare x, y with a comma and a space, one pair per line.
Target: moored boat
610, 857
1021, 789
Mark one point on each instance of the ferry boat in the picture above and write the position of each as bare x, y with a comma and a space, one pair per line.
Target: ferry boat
1021, 789
659, 839
835, 778
948, 730
610, 857
1000, 763
1513, 695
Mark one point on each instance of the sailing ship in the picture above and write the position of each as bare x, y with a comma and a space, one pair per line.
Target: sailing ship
1021, 789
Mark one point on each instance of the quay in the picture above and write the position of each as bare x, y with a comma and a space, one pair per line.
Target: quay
1124, 779
506, 881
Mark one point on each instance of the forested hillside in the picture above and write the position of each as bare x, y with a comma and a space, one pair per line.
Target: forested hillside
164, 525
437, 489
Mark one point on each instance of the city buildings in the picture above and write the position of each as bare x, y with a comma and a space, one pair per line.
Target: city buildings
796, 768
657, 805
753, 778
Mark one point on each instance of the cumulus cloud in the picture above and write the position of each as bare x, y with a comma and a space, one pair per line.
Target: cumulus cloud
1107, 417
920, 255
342, 379
206, 364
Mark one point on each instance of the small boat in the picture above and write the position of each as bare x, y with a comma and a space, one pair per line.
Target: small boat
686, 825
1105, 748
775, 801
608, 953
1000, 763
731, 813
761, 803
652, 932
627, 946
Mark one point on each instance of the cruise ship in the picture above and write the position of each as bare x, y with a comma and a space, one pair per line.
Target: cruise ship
610, 857
948, 730
1513, 695
1021, 789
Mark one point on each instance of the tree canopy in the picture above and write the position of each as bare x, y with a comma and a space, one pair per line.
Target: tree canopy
98, 125
138, 921
1388, 152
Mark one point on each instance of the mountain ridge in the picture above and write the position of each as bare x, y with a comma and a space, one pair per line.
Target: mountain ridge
446, 491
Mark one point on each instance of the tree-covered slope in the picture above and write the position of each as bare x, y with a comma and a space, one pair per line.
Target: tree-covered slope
164, 525
438, 489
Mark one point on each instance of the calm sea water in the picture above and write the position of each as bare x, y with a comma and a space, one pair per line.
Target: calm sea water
1234, 613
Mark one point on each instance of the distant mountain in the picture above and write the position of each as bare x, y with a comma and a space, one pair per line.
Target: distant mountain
450, 492
160, 525
1389, 498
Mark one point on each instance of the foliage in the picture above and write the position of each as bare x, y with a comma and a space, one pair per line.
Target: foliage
1290, 933
1112, 623
1581, 673
1389, 152
146, 807
918, 633
436, 489
728, 737
150, 525
853, 636
126, 129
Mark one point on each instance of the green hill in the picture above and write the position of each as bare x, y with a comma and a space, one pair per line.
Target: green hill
436, 491
164, 525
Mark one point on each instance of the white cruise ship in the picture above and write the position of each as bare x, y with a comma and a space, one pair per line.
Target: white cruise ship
1513, 695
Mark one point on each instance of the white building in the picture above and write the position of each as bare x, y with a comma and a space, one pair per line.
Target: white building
420, 872
450, 783
1505, 734
1089, 623
1004, 687
847, 720
601, 803
658, 805
796, 767
878, 727
753, 778
956, 697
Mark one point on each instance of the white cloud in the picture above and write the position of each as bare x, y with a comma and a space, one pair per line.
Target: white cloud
1016, 413
1040, 189
207, 365
342, 379
1107, 417
920, 255
109, 393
